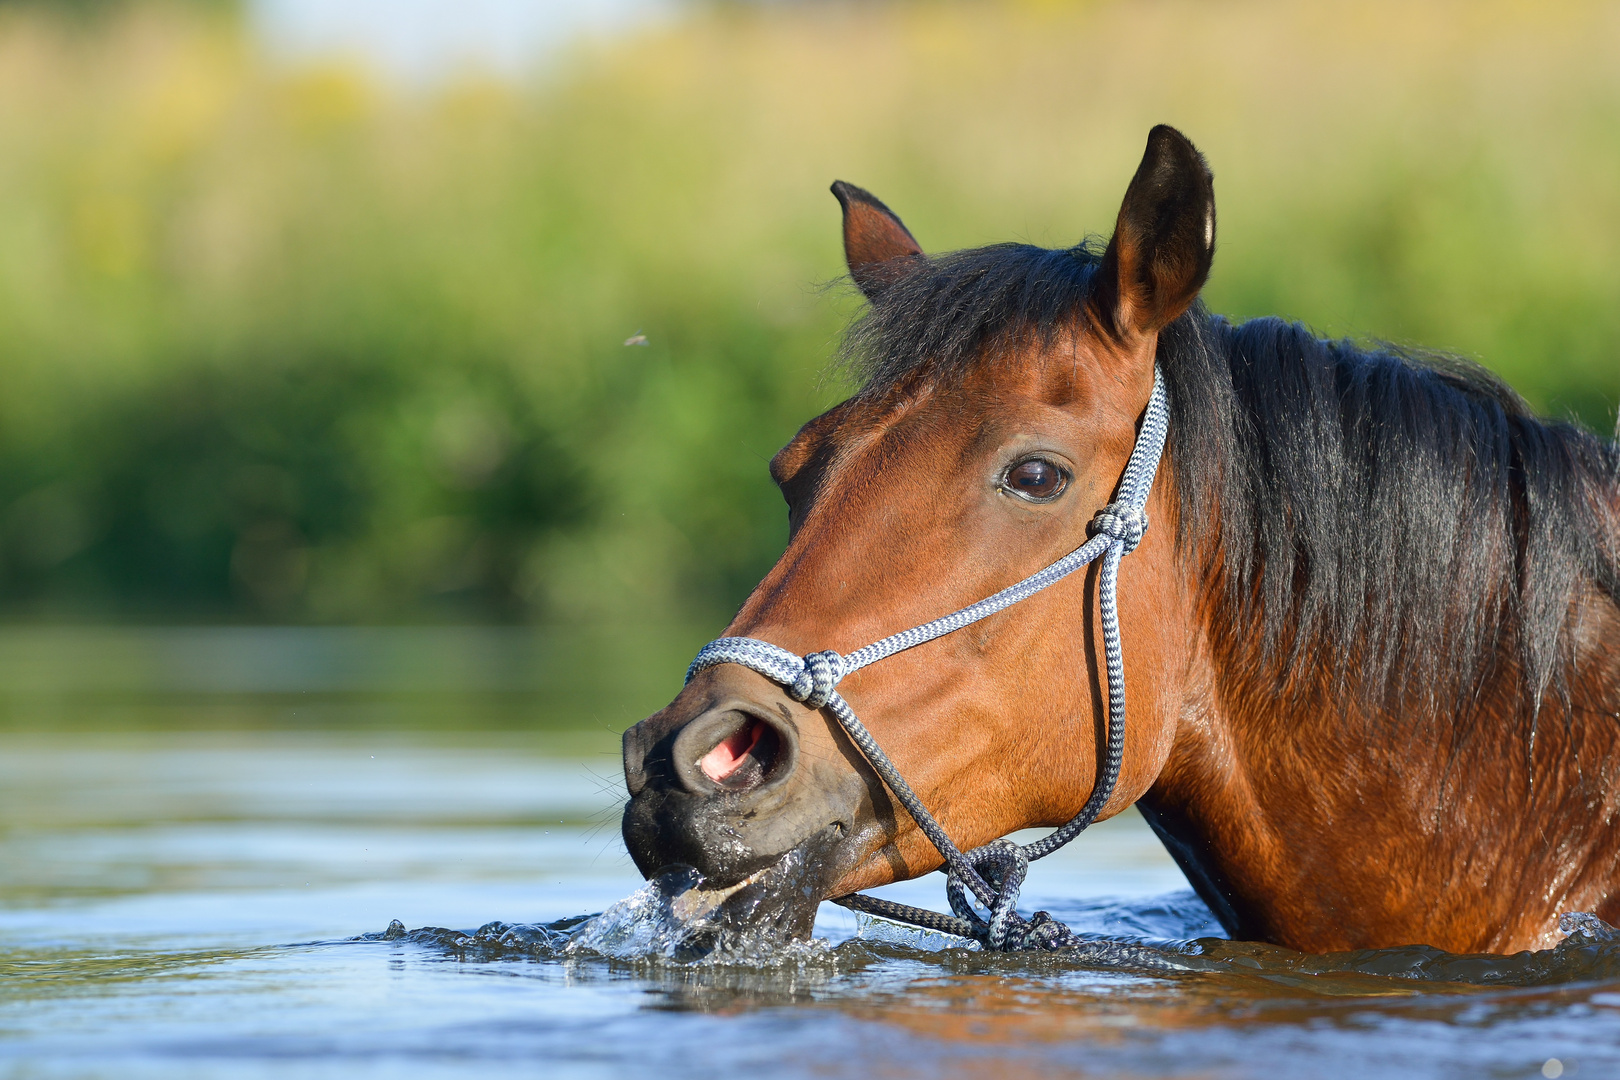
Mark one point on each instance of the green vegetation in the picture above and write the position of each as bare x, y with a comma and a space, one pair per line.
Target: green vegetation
294, 345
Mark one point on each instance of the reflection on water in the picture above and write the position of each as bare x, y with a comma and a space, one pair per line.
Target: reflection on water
278, 677
191, 905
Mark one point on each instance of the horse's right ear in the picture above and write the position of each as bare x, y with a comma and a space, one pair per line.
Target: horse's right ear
1164, 241
874, 239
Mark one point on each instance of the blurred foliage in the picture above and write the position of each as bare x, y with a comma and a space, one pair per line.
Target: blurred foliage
292, 344
101, 9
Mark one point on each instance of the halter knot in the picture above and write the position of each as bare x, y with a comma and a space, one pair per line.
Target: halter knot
1003, 864
815, 683
1122, 522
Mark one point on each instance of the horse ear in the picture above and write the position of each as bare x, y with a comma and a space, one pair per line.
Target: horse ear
874, 239
1164, 241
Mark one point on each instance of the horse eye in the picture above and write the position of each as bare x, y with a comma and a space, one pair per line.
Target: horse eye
1036, 479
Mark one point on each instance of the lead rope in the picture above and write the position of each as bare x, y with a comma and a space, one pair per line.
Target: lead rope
995, 872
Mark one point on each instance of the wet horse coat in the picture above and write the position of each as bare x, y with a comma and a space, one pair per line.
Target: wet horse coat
1372, 641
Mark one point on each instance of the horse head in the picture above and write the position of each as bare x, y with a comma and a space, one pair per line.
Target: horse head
988, 432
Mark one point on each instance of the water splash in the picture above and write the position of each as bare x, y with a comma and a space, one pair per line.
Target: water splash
1584, 924
763, 920
670, 917
678, 916
497, 939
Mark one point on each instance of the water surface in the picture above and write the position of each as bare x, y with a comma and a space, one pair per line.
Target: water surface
188, 904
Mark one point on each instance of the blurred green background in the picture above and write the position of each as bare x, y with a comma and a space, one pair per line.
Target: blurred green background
291, 340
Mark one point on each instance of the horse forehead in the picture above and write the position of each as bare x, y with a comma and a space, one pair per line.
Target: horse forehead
954, 421
947, 423
944, 430
995, 388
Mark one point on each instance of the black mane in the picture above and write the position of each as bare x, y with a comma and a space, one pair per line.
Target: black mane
1398, 521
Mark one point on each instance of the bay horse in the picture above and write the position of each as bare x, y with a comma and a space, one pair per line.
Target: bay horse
1371, 640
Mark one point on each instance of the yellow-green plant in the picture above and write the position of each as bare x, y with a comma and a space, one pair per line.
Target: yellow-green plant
294, 343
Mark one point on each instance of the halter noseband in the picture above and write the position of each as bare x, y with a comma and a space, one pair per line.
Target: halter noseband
994, 872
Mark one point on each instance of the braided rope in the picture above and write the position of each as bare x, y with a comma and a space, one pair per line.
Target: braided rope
993, 874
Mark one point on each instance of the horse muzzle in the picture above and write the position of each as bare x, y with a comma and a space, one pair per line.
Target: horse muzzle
719, 781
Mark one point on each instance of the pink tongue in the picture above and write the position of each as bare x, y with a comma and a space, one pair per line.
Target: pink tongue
724, 759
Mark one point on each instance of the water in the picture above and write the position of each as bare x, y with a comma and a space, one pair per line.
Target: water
185, 905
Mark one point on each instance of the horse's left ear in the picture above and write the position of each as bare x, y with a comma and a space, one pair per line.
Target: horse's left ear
1164, 241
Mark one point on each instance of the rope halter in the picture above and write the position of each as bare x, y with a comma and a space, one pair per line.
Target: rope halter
1127, 524
814, 685
992, 875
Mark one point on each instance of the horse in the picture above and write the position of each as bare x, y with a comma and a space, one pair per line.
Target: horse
1371, 638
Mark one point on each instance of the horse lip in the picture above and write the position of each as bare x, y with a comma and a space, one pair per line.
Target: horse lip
858, 847
789, 890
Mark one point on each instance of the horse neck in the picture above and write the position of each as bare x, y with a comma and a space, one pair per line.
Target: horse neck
1304, 814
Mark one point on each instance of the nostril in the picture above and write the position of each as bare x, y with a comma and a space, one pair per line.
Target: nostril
733, 747
743, 758
733, 750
